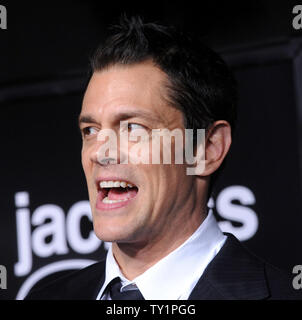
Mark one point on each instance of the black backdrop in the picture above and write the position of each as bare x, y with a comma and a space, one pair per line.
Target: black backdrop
45, 227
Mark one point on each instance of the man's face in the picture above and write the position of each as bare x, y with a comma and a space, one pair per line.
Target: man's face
161, 193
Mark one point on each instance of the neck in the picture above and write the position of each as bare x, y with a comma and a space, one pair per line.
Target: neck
135, 258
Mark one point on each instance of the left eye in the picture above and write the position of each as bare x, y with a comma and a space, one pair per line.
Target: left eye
134, 126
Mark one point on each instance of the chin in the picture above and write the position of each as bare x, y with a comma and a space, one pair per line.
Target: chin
110, 233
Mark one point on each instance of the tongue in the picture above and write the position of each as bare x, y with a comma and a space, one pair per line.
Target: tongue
121, 193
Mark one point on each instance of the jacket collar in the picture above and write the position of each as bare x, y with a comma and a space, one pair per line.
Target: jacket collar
234, 273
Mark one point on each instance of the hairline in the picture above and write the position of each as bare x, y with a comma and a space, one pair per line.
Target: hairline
167, 84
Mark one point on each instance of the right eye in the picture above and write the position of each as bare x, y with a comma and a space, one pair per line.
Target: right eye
89, 131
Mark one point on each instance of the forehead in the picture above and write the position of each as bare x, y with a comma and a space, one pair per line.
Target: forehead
140, 86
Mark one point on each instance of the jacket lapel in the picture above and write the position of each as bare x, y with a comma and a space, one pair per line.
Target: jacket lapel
234, 273
88, 282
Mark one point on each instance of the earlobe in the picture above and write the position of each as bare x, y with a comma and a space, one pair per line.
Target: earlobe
217, 144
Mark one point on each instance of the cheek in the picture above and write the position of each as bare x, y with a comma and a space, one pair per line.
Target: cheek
87, 168
85, 161
174, 180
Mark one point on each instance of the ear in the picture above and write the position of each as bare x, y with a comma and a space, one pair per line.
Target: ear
217, 144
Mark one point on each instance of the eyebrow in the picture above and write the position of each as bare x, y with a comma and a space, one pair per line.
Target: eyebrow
123, 115
86, 119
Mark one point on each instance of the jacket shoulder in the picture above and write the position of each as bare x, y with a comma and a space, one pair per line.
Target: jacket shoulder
82, 284
281, 284
236, 273
278, 282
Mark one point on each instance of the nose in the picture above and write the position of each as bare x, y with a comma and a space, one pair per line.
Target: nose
105, 148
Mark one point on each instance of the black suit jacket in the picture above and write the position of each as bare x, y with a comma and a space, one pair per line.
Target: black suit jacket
234, 274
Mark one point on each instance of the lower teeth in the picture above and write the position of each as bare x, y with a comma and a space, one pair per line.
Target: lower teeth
107, 200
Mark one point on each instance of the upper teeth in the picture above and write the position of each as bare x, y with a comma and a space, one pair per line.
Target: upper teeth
115, 184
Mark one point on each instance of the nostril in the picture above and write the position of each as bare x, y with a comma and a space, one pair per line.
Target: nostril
107, 161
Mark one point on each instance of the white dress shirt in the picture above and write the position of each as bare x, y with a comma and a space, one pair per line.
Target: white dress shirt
174, 276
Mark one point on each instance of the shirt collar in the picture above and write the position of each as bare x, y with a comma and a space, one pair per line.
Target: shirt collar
179, 271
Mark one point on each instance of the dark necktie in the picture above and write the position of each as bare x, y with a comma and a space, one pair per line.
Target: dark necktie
116, 294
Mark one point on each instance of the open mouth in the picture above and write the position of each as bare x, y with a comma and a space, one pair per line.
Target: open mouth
115, 193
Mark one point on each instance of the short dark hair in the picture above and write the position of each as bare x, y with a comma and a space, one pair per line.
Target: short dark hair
200, 83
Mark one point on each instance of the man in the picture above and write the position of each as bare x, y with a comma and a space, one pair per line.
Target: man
165, 244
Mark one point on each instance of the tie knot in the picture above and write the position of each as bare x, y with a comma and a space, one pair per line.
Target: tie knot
116, 294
